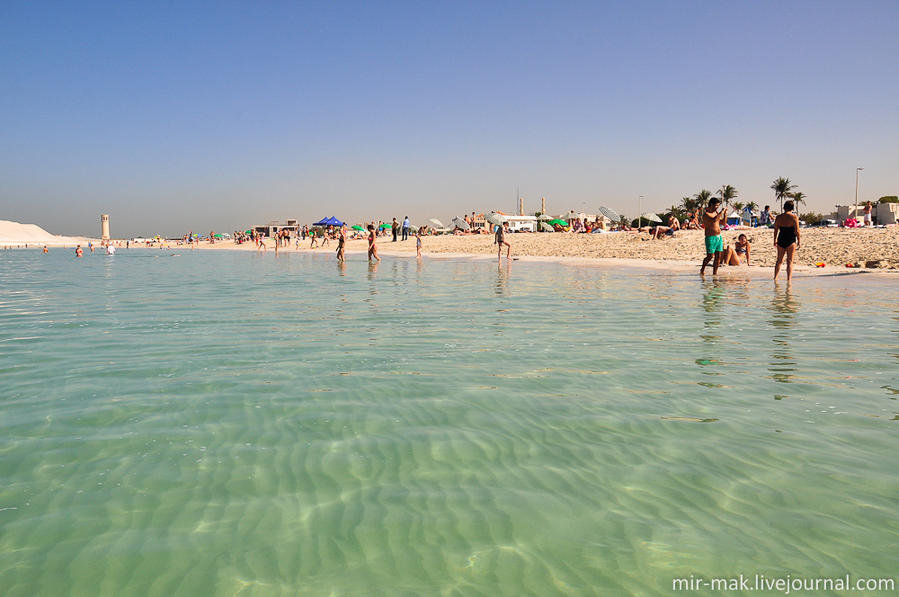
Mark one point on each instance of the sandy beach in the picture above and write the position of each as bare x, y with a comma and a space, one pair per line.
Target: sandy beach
876, 248
873, 249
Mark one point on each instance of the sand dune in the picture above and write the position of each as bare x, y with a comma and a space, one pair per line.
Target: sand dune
17, 234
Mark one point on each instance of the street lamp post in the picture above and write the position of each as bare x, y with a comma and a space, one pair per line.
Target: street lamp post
640, 212
857, 170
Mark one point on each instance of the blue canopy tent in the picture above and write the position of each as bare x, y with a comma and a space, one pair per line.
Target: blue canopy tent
332, 221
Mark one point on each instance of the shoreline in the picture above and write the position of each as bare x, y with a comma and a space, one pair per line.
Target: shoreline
875, 250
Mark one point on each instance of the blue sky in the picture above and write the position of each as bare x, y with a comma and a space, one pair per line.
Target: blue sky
177, 116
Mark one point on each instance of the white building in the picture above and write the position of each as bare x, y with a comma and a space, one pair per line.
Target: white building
521, 223
273, 227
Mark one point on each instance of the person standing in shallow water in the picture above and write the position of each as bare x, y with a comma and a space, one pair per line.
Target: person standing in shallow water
786, 238
500, 240
341, 243
372, 248
714, 244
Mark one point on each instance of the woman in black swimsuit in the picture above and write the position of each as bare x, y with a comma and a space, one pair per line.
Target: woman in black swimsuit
786, 238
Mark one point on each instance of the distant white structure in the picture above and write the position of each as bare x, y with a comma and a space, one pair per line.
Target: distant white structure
273, 227
104, 226
522, 223
884, 213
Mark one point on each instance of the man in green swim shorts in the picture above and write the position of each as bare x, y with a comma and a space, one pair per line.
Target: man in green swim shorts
714, 244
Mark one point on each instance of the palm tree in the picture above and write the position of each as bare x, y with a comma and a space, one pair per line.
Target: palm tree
726, 193
688, 204
782, 188
676, 211
799, 198
701, 198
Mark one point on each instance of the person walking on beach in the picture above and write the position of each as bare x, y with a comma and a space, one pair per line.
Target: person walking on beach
714, 244
786, 238
500, 240
341, 243
372, 248
406, 228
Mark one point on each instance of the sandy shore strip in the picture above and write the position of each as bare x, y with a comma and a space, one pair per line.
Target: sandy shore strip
876, 248
871, 248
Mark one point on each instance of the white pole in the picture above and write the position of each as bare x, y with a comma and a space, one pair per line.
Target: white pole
855, 215
640, 210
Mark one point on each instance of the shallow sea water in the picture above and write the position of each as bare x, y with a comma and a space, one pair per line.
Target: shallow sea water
198, 423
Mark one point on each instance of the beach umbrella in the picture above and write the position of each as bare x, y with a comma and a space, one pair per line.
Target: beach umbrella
322, 222
495, 218
358, 227
383, 226
436, 222
609, 213
247, 232
562, 223
461, 224
544, 218
546, 227
652, 217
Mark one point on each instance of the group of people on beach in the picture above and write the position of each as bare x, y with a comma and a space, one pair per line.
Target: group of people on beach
786, 239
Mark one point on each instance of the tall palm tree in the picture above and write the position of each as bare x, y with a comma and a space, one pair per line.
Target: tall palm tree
726, 193
798, 198
782, 187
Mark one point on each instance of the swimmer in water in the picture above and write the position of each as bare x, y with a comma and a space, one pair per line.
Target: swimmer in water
79, 252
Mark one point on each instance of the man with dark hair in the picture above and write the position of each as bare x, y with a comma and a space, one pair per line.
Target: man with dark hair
406, 228
394, 227
714, 244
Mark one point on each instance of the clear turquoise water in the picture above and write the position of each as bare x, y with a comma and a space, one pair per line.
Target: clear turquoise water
229, 424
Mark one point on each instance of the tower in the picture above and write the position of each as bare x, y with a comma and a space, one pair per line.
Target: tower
543, 205
104, 227
521, 206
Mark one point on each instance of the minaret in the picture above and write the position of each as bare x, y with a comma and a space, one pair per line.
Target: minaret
104, 227
543, 205
521, 206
